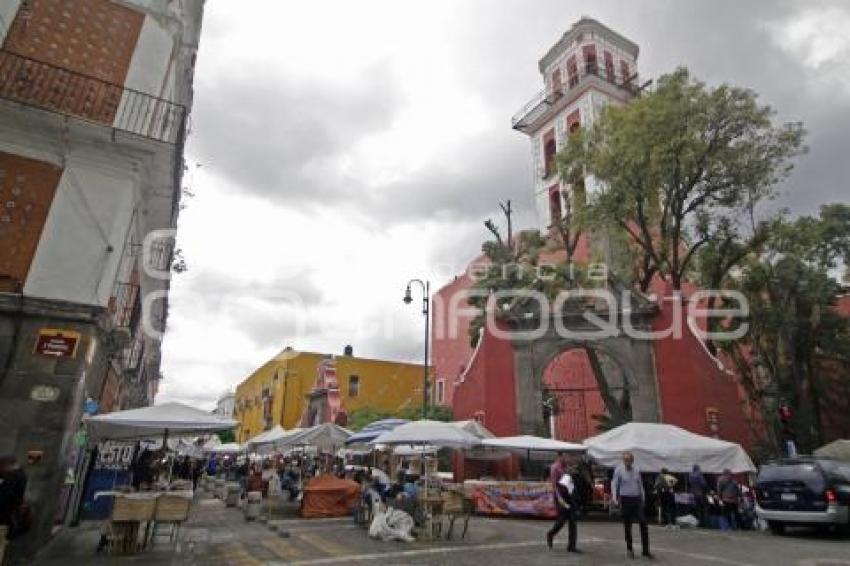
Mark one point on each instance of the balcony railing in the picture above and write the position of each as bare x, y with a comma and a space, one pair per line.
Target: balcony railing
537, 107
66, 92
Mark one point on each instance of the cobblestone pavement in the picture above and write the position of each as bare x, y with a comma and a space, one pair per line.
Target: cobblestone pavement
216, 535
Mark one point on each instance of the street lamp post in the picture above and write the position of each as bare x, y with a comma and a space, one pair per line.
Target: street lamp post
426, 310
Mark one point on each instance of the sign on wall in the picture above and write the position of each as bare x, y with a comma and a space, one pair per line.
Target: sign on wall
113, 455
57, 343
44, 393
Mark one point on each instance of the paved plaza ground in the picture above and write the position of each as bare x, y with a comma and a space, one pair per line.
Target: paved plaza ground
217, 535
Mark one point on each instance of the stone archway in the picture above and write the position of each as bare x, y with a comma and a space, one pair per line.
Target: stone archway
635, 357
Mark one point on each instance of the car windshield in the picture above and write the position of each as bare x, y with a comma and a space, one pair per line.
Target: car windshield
805, 472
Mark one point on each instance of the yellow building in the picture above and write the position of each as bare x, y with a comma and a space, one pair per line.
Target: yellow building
301, 388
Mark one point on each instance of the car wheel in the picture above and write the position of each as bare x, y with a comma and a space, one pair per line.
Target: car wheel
776, 527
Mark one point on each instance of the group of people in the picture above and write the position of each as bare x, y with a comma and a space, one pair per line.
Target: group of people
728, 505
627, 492
725, 505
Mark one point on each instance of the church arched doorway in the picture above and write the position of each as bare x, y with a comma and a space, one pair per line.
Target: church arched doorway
574, 404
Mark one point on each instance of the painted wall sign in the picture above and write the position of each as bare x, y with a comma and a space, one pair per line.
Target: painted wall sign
113, 455
44, 393
57, 343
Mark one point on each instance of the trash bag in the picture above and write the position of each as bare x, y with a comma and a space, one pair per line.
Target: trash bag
390, 524
687, 521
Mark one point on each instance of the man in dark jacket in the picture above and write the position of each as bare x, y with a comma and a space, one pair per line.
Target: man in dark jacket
567, 507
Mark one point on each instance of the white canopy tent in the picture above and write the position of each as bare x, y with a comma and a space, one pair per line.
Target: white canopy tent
326, 437
211, 443
228, 448
266, 436
474, 428
837, 450
158, 420
406, 450
657, 446
428, 433
264, 442
532, 447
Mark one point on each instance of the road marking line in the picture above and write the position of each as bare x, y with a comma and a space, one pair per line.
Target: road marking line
310, 521
419, 552
282, 549
704, 557
325, 545
235, 553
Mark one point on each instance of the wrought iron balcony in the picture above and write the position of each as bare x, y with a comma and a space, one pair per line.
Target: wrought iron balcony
538, 107
42, 85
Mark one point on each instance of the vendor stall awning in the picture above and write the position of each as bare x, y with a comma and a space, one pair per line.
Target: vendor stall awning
530, 446
326, 437
657, 446
374, 429
267, 437
431, 433
837, 450
153, 421
228, 448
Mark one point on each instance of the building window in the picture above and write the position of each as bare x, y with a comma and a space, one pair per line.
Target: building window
550, 150
555, 204
574, 122
353, 385
572, 71
441, 391
589, 54
609, 66
626, 72
557, 82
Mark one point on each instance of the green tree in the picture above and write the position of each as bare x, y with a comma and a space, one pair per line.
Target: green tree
359, 418
678, 165
797, 345
226, 436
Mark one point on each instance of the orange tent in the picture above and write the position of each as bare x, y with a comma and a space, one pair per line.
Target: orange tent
329, 496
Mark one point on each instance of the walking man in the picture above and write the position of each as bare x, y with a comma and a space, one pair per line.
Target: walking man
698, 487
730, 494
556, 470
627, 492
565, 505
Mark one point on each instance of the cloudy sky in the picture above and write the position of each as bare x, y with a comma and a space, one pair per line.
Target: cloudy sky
340, 148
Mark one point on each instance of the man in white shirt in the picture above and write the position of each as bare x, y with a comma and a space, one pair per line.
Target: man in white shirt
565, 505
627, 492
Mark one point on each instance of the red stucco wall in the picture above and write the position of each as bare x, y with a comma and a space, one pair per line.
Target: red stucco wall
690, 382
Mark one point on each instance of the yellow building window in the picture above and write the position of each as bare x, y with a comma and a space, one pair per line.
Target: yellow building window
353, 385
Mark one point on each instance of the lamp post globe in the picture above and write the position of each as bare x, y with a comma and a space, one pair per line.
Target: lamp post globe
408, 298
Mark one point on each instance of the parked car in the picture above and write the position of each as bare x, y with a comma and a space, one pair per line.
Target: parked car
804, 491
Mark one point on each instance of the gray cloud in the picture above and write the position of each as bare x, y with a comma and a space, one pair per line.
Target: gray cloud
278, 138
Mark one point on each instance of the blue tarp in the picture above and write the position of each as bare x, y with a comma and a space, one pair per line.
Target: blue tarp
372, 430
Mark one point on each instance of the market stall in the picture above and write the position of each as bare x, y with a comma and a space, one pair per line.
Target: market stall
517, 498
657, 446
325, 437
329, 496
159, 421
428, 434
